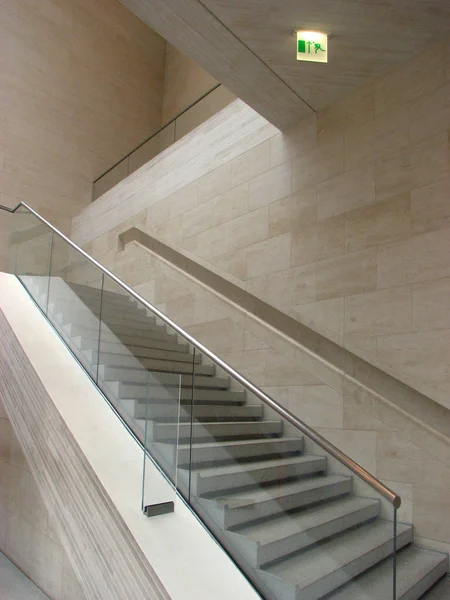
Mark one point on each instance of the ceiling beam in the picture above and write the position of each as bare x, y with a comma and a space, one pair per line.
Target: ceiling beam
196, 32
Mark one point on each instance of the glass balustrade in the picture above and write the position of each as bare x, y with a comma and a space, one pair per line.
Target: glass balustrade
299, 518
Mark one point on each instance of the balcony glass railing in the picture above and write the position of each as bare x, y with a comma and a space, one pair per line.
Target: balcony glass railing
207, 105
300, 518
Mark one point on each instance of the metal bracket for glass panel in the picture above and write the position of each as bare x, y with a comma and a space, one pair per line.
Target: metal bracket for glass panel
154, 510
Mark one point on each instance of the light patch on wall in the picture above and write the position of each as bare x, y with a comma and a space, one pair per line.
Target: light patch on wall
312, 46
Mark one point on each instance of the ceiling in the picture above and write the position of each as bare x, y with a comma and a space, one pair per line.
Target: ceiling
369, 37
250, 46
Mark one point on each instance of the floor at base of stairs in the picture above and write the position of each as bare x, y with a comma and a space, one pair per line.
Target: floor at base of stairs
15, 585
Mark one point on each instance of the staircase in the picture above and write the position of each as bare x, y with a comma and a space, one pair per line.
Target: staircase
297, 530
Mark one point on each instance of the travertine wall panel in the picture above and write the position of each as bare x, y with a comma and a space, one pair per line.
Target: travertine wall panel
82, 84
347, 230
184, 83
27, 535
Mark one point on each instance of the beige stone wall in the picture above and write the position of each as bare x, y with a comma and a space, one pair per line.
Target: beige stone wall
184, 83
82, 84
27, 536
341, 222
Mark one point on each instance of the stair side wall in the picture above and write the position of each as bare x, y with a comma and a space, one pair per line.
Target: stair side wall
27, 533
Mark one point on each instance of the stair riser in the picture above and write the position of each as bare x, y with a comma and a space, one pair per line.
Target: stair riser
109, 316
213, 431
222, 454
205, 413
202, 486
89, 323
142, 376
176, 364
232, 517
141, 392
138, 351
138, 336
152, 340
57, 297
130, 318
109, 300
137, 330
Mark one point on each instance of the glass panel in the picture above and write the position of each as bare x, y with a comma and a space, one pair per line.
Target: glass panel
74, 302
30, 250
6, 255
145, 371
190, 117
298, 522
161, 420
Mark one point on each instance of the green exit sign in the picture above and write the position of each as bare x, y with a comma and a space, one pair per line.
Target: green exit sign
312, 46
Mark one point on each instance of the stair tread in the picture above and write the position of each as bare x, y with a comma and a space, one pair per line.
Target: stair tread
233, 411
150, 377
240, 442
221, 470
290, 524
216, 423
240, 499
155, 364
163, 356
318, 562
413, 564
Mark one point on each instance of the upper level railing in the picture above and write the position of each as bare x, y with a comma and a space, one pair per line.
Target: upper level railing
233, 452
190, 117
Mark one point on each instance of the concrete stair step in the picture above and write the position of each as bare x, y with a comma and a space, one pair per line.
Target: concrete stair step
91, 331
161, 432
95, 293
146, 350
165, 392
240, 475
146, 357
225, 452
143, 376
91, 322
133, 318
417, 570
202, 412
139, 330
268, 541
159, 365
315, 572
237, 508
117, 316
108, 299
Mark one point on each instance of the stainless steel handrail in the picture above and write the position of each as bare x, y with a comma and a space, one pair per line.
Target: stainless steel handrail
374, 483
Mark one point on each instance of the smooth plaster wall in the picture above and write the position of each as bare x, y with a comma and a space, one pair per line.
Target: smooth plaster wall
81, 85
27, 536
